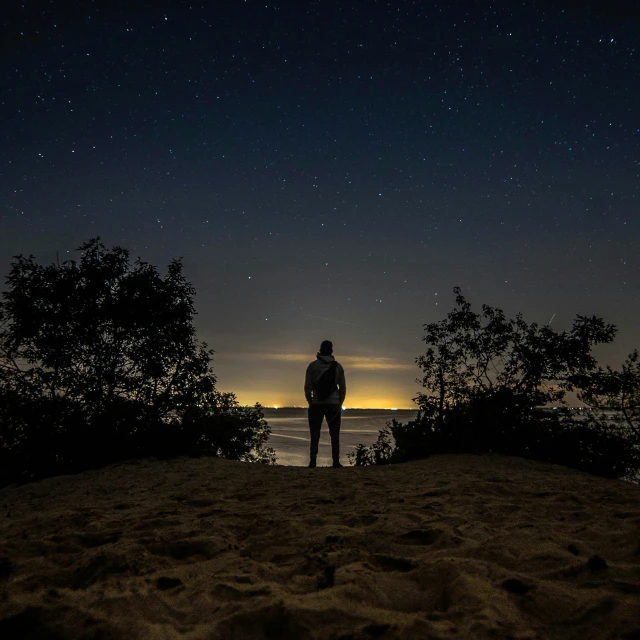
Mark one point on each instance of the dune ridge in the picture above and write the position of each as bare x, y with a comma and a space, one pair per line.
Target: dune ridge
448, 547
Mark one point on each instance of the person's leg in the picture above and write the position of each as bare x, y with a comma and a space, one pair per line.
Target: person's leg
315, 423
334, 415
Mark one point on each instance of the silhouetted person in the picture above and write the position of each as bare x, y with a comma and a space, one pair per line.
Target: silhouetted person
325, 396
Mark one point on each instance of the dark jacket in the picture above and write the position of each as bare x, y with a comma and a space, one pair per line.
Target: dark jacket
314, 371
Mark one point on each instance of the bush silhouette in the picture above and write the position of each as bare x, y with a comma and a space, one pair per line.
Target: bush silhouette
489, 382
615, 397
99, 362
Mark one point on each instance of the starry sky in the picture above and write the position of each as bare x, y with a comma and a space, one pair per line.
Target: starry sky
331, 170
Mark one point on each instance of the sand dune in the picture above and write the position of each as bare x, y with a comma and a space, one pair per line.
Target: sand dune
449, 547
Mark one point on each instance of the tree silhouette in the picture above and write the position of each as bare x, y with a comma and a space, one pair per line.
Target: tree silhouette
474, 358
615, 396
488, 381
99, 360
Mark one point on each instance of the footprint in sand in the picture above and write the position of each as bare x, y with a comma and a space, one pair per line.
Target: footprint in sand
6, 568
434, 493
209, 513
186, 549
163, 583
246, 497
421, 536
365, 520
154, 524
91, 540
228, 592
99, 568
202, 502
394, 563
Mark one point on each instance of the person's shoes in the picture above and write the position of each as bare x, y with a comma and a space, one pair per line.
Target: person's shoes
336, 464
312, 464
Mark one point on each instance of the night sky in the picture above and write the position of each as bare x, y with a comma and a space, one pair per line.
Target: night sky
331, 170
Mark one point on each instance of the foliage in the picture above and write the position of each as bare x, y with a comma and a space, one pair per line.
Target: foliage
489, 383
219, 427
379, 453
99, 362
615, 396
518, 365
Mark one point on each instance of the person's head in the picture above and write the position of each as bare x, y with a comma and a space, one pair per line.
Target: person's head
326, 348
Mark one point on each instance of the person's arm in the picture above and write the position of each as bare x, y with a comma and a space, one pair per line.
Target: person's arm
308, 386
342, 384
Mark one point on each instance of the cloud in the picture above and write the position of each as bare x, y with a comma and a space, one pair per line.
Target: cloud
363, 363
375, 363
287, 357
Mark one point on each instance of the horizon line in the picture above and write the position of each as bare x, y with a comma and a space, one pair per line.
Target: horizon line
279, 407
581, 407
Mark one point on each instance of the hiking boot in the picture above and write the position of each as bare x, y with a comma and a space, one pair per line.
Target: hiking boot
336, 464
312, 463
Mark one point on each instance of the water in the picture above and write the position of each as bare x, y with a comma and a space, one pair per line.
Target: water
290, 433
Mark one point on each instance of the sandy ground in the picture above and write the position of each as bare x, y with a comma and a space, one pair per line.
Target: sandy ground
449, 547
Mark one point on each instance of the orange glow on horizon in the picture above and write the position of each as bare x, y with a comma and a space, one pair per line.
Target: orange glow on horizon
355, 402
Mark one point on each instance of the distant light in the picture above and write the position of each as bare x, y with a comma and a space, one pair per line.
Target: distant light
394, 409
275, 407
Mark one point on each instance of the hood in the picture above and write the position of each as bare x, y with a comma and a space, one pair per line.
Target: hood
325, 358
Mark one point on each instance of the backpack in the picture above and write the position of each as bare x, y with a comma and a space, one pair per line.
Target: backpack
326, 384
